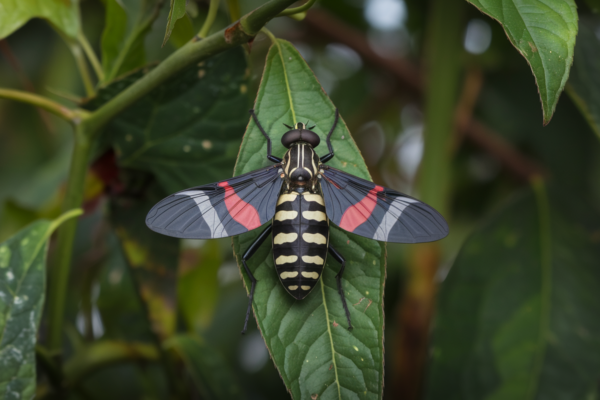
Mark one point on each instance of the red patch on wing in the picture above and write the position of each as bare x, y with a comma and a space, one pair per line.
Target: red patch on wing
361, 211
243, 213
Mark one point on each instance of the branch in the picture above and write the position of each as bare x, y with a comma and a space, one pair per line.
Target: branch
101, 354
411, 79
304, 7
73, 116
241, 32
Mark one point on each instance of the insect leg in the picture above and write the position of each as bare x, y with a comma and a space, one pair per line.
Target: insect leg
329, 156
249, 253
338, 257
269, 156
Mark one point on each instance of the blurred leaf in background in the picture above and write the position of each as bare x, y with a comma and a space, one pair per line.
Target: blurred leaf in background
517, 314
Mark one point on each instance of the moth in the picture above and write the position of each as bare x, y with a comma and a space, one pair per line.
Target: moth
298, 197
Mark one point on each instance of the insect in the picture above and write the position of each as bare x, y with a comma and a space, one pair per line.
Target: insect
298, 195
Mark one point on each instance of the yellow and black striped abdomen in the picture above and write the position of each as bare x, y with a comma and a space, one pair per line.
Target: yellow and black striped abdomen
300, 240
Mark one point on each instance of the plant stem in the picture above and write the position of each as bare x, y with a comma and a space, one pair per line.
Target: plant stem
443, 49
91, 55
239, 33
210, 18
59, 275
234, 10
82, 67
304, 7
269, 34
41, 102
100, 354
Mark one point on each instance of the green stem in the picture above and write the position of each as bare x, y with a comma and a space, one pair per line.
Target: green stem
42, 102
235, 12
442, 57
210, 18
241, 32
82, 67
101, 354
59, 275
91, 55
304, 7
269, 34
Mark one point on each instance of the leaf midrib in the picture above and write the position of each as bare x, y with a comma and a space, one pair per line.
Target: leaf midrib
289, 93
287, 83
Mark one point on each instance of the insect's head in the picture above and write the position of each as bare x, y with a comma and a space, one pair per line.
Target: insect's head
300, 133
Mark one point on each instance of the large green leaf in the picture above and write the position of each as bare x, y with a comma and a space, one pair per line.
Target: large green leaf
63, 14
22, 290
315, 353
186, 132
207, 367
544, 33
518, 312
584, 83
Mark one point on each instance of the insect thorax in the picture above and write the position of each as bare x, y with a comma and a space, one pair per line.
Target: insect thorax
301, 166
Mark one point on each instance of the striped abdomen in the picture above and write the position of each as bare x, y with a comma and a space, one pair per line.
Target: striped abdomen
300, 239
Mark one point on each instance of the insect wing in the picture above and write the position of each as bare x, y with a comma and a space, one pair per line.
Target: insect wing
220, 209
379, 213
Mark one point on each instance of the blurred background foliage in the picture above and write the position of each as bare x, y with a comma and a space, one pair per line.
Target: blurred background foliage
130, 289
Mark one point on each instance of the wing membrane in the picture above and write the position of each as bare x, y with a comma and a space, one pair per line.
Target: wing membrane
379, 213
220, 209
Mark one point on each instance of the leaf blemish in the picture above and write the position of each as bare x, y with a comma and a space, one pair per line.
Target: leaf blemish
335, 324
368, 305
533, 48
361, 299
201, 73
207, 144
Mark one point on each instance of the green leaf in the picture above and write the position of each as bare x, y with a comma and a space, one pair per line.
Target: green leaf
584, 83
207, 367
544, 33
308, 340
518, 312
186, 131
176, 12
63, 14
153, 258
126, 27
22, 289
183, 32
198, 285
